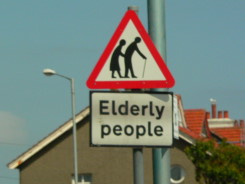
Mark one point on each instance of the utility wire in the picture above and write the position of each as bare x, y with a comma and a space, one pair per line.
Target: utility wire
14, 144
9, 178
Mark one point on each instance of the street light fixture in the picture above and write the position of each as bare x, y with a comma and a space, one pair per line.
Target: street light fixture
50, 72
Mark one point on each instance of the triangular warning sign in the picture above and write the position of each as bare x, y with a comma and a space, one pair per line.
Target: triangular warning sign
130, 60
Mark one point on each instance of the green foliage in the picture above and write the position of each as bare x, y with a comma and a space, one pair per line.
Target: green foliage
218, 164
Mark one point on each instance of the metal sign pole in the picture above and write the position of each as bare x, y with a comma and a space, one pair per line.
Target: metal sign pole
138, 160
156, 25
138, 166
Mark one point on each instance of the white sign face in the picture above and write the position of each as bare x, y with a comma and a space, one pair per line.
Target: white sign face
141, 65
131, 119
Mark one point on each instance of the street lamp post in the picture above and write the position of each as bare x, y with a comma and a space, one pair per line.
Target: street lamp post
50, 72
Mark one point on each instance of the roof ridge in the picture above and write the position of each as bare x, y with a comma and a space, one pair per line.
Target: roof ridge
48, 139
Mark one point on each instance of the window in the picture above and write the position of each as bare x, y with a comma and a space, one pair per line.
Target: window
177, 174
83, 179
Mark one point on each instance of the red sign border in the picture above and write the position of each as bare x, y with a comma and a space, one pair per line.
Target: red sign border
168, 83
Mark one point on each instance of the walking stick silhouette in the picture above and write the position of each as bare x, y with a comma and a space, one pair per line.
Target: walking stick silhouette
144, 69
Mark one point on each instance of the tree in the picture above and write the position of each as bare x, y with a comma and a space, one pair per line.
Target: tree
217, 163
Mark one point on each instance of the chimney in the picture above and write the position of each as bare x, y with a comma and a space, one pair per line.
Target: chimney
226, 114
220, 114
242, 124
208, 115
236, 123
213, 102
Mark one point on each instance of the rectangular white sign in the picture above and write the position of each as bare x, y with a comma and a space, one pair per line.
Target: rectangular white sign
131, 118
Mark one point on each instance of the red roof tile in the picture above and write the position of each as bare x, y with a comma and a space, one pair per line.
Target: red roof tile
189, 132
231, 134
195, 119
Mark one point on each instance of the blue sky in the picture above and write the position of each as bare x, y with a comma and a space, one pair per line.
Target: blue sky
205, 54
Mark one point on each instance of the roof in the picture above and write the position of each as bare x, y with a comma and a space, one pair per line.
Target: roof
195, 119
189, 133
232, 135
45, 141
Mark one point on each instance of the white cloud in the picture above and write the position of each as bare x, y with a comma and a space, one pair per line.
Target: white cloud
12, 128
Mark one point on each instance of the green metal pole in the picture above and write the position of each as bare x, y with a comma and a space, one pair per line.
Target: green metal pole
138, 159
156, 25
157, 32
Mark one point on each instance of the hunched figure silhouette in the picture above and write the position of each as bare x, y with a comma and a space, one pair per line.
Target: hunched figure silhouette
114, 65
128, 57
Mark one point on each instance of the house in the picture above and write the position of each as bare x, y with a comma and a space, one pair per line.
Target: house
50, 161
222, 127
202, 124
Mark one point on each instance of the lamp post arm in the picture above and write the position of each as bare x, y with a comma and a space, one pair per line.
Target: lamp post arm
50, 72
68, 78
74, 126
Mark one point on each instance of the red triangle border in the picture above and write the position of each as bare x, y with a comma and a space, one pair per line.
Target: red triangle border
168, 83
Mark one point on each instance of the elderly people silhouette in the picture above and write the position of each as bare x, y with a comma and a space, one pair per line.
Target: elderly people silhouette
131, 49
